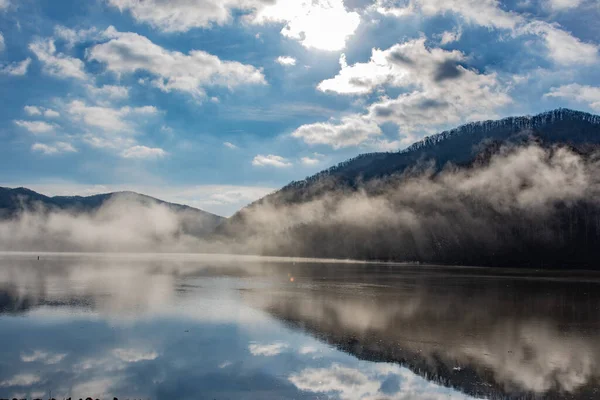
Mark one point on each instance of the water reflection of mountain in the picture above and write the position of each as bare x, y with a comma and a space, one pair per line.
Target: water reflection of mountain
487, 332
13, 301
489, 336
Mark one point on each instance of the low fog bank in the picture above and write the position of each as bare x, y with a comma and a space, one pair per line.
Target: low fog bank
522, 205
518, 205
121, 224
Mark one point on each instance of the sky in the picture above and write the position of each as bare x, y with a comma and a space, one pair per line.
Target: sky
215, 103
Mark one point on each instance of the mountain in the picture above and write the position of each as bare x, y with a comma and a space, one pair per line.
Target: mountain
521, 190
458, 146
14, 201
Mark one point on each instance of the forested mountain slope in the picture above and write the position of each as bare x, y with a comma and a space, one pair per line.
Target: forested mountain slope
459, 146
522, 190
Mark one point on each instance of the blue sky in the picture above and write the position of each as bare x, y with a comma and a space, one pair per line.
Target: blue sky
215, 103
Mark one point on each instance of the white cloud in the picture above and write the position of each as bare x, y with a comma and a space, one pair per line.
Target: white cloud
180, 15
350, 131
438, 89
581, 93
42, 356
306, 21
436, 109
21, 380
308, 350
189, 73
148, 110
310, 161
310, 22
271, 161
49, 113
38, 111
402, 65
2, 44
230, 145
52, 149
4, 4
36, 127
72, 36
362, 78
97, 388
16, 68
561, 5
267, 350
108, 142
112, 92
32, 110
480, 12
57, 64
143, 152
286, 61
107, 118
563, 47
134, 356
113, 129
451, 36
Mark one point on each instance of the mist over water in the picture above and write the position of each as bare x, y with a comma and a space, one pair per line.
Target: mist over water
122, 224
524, 197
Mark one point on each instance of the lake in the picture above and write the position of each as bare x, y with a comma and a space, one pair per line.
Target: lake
233, 327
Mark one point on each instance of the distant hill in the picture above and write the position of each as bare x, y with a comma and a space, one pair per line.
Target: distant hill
14, 201
446, 222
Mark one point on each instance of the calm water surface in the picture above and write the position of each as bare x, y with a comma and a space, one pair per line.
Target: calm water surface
221, 327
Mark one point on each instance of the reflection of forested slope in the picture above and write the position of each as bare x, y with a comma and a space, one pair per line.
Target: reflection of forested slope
495, 337
520, 191
14, 302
